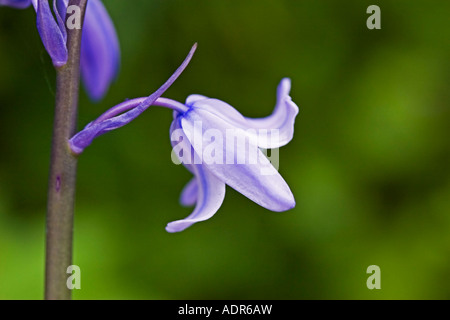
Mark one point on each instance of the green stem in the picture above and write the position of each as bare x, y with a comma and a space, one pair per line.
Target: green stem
63, 169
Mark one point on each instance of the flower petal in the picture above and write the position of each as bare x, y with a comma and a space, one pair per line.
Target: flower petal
210, 196
51, 35
194, 98
273, 131
100, 52
189, 194
177, 137
18, 4
282, 118
60, 9
248, 171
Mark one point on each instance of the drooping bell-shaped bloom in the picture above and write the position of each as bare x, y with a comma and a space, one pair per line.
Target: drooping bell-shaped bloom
207, 132
100, 52
242, 166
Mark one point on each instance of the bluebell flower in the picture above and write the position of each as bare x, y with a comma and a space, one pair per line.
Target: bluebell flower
100, 52
256, 178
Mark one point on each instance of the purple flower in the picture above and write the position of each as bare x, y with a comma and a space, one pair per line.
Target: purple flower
100, 52
255, 177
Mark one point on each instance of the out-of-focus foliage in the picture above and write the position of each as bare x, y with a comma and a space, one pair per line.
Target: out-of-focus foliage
368, 165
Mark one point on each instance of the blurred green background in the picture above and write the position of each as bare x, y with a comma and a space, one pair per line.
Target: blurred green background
368, 165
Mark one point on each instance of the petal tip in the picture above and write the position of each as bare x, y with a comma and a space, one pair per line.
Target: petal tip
285, 205
292, 204
75, 150
176, 226
289, 202
286, 81
59, 64
170, 229
282, 202
285, 85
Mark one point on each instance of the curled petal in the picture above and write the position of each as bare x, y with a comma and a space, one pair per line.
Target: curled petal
189, 194
100, 52
210, 196
18, 4
270, 132
246, 170
51, 35
282, 118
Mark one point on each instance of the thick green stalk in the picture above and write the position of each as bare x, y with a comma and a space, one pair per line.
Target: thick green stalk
63, 168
